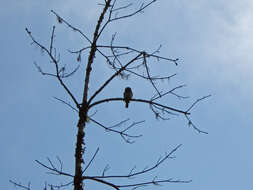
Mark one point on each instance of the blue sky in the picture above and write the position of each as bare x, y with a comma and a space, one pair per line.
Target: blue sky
212, 39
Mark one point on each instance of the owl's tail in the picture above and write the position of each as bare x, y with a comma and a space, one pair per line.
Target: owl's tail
127, 102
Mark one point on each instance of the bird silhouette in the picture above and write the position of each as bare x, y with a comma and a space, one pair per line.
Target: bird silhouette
128, 94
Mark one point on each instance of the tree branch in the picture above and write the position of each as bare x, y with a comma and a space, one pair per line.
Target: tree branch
139, 100
56, 67
144, 171
126, 137
53, 169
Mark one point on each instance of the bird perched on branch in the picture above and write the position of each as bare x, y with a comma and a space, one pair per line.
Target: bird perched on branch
128, 94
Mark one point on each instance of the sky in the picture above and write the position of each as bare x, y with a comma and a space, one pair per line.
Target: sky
213, 41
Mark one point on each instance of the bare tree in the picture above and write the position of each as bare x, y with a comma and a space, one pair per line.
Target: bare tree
124, 61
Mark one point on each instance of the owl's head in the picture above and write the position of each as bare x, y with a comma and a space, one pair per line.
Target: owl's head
128, 89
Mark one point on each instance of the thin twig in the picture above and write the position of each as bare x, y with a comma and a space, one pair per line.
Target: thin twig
147, 71
20, 185
93, 157
53, 169
198, 100
52, 40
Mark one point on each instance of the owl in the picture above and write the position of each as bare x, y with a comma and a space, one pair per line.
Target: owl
128, 94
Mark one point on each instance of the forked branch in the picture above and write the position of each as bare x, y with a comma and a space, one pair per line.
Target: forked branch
55, 61
105, 179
